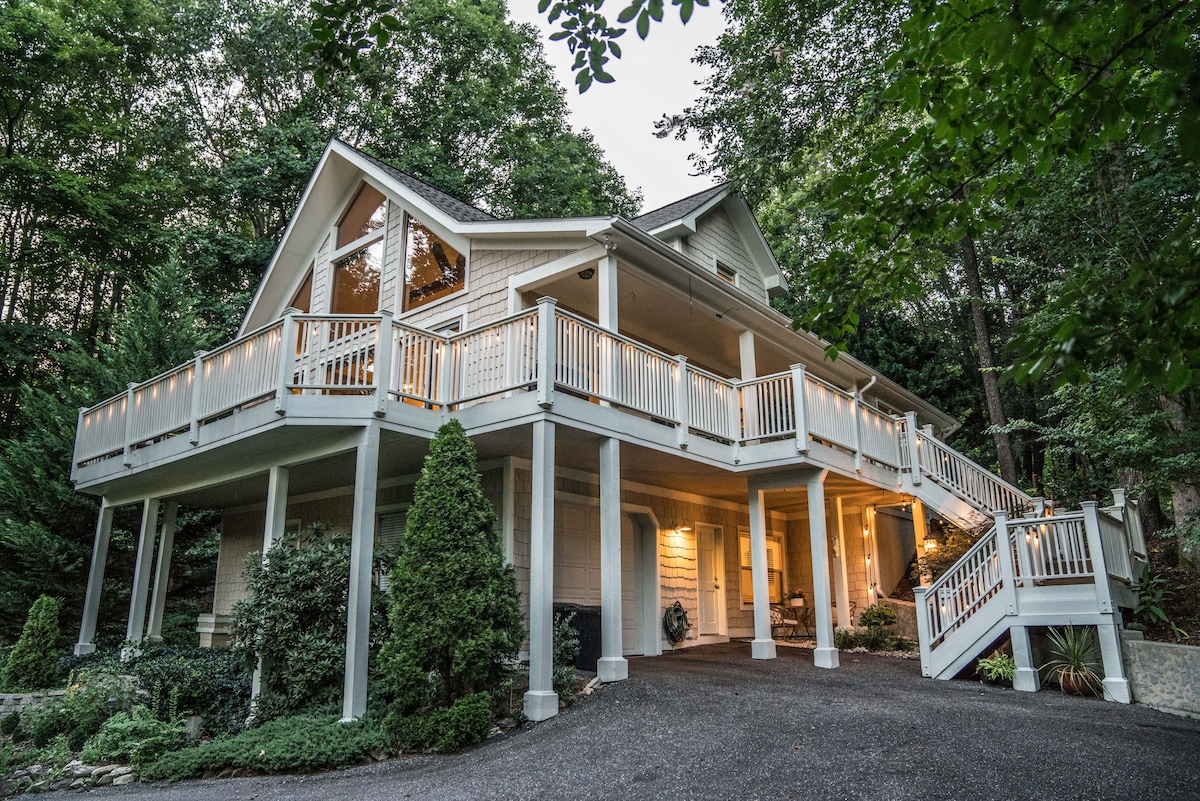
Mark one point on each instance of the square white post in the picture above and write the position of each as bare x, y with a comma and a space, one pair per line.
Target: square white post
541, 702
136, 627
362, 551
825, 655
287, 360
924, 633
91, 600
683, 402
162, 573
1026, 678
800, 407
841, 576
914, 453
763, 646
384, 358
547, 352
612, 665
273, 525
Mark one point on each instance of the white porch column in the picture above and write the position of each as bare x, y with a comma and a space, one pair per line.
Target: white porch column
273, 525
612, 666
541, 702
1026, 678
606, 288
746, 355
841, 577
1116, 685
825, 655
920, 534
362, 550
136, 627
763, 645
162, 573
276, 515
91, 600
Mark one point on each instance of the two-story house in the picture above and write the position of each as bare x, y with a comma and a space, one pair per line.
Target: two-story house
649, 429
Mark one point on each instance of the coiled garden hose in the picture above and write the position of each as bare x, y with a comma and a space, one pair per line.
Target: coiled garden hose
675, 623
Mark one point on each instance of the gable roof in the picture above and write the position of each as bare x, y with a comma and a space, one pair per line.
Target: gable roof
653, 220
452, 206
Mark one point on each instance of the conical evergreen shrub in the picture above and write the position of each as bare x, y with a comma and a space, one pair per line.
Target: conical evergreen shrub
33, 661
455, 610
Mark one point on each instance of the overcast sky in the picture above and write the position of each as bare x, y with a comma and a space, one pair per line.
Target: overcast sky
653, 77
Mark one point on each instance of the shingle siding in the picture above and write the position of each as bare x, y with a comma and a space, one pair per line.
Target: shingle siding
716, 236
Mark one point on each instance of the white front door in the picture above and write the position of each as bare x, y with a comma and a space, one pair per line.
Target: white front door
709, 567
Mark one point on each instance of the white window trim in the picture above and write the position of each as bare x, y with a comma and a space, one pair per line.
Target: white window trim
402, 284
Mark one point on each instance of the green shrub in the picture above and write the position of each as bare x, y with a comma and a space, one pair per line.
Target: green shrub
132, 738
455, 609
445, 729
79, 714
997, 667
295, 620
10, 723
33, 662
212, 682
566, 649
304, 743
877, 616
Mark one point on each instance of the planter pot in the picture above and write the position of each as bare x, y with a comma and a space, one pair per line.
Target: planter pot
1074, 685
795, 602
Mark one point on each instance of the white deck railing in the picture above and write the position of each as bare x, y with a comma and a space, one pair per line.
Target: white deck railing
1016, 554
356, 355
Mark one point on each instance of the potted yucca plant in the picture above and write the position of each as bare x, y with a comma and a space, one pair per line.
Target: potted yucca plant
1074, 665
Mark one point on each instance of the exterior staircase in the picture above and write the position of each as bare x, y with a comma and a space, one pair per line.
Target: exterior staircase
1033, 567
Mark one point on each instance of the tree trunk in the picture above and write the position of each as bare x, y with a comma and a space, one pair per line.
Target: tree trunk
987, 362
1185, 492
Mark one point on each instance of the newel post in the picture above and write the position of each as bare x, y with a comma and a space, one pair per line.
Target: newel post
1095, 543
197, 389
682, 402
128, 455
287, 360
547, 351
800, 407
914, 452
1008, 567
383, 362
924, 632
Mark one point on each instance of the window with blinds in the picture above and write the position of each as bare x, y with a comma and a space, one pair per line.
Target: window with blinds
774, 570
389, 535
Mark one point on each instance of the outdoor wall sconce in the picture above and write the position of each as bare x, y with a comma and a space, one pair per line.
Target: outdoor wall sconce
587, 273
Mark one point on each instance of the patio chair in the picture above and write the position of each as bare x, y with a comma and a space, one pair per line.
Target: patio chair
782, 618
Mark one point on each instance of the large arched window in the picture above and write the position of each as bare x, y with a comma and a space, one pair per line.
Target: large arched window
359, 255
432, 268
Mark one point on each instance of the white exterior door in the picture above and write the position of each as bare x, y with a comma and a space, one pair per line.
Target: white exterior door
710, 567
577, 567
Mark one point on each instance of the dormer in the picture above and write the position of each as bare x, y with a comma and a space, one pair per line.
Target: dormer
717, 230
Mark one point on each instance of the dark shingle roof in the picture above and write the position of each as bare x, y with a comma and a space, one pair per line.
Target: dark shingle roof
677, 210
463, 212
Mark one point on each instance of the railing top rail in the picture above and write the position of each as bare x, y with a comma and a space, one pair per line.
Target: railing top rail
336, 318
979, 545
829, 386
700, 371
509, 318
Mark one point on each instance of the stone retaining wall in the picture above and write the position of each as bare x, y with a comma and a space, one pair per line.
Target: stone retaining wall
12, 702
1163, 675
906, 617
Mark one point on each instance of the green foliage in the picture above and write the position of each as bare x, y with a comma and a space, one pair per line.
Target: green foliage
566, 649
294, 620
10, 723
999, 666
181, 681
454, 605
871, 638
79, 714
299, 744
135, 738
1074, 651
466, 721
877, 616
1153, 593
33, 662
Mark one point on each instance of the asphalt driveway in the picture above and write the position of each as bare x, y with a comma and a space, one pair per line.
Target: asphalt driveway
711, 723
